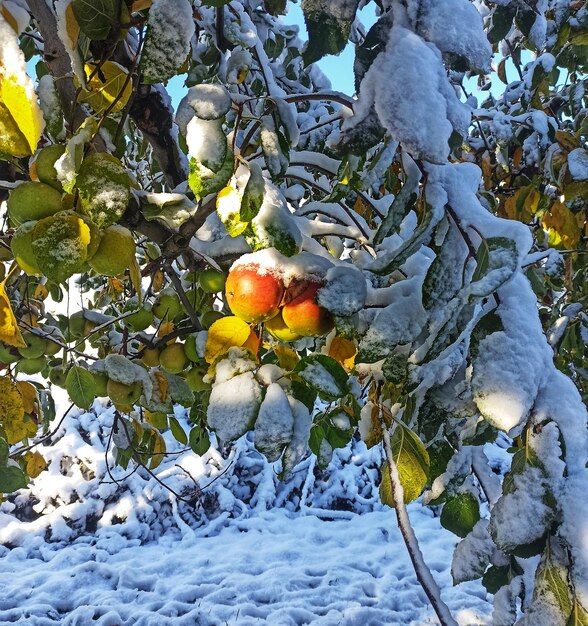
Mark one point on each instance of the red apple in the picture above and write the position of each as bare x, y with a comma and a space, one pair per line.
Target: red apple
303, 315
252, 295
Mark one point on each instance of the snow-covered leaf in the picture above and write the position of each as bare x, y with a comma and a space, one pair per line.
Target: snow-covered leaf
323, 374
275, 423
203, 181
170, 28
104, 188
253, 194
497, 260
328, 23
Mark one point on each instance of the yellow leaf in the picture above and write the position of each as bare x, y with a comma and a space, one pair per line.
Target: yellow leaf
21, 120
28, 392
162, 384
224, 334
9, 332
343, 351
157, 282
116, 285
11, 411
252, 343
140, 5
35, 464
564, 226
107, 86
71, 25
159, 450
41, 292
287, 358
7, 15
165, 329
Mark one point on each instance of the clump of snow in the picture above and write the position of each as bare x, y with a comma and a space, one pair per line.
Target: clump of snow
205, 101
399, 323
511, 365
522, 515
298, 446
344, 292
303, 266
51, 106
420, 114
236, 361
274, 424
578, 164
207, 142
456, 26
233, 406
472, 554
274, 225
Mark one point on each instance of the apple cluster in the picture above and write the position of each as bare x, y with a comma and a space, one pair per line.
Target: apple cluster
290, 312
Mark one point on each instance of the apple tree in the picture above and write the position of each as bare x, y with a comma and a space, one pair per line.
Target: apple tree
406, 266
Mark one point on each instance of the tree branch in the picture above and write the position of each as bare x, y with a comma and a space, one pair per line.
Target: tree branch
423, 573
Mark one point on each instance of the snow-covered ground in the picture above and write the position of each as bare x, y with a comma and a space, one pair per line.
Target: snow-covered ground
78, 549
269, 569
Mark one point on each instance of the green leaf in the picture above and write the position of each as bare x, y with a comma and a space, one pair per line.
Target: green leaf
460, 514
328, 23
95, 17
501, 23
324, 374
12, 478
496, 577
80, 387
4, 448
203, 181
177, 431
395, 368
412, 460
497, 261
199, 440
253, 194
579, 615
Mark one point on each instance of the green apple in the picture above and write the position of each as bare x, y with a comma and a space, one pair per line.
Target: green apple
58, 374
195, 376
36, 345
31, 365
140, 320
123, 394
173, 358
211, 280
100, 384
167, 305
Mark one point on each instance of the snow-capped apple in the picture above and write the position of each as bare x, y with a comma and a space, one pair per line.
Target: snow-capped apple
253, 294
303, 315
